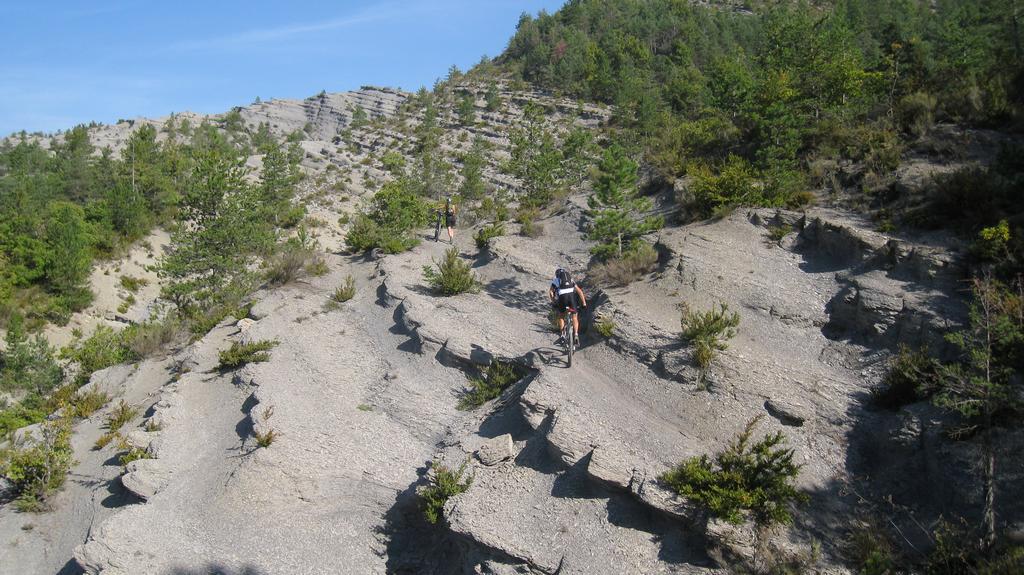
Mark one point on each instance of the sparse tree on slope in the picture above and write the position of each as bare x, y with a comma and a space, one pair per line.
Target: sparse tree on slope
618, 210
221, 227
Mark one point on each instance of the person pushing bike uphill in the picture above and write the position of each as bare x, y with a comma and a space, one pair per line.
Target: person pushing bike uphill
564, 293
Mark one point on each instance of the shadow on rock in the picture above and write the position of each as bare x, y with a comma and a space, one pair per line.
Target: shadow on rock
244, 427
416, 546
215, 569
71, 568
510, 292
575, 484
119, 496
506, 416
678, 544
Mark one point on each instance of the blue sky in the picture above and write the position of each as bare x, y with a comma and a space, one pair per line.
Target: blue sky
65, 63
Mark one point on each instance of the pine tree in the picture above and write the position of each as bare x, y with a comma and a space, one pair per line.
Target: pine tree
472, 171
466, 110
980, 385
222, 226
618, 210
68, 250
277, 182
493, 97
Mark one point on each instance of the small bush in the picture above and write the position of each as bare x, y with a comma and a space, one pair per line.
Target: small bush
495, 380
102, 349
120, 415
149, 338
126, 304
34, 471
266, 439
776, 233
642, 259
240, 354
917, 113
133, 284
708, 332
85, 404
605, 327
743, 477
453, 276
134, 454
105, 439
528, 225
152, 426
487, 233
286, 266
318, 267
345, 292
444, 483
911, 377
29, 411
872, 552
735, 183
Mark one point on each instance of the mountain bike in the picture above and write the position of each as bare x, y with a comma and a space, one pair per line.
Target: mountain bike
569, 334
437, 227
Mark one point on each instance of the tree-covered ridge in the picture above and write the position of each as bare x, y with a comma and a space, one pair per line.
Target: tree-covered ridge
784, 84
64, 206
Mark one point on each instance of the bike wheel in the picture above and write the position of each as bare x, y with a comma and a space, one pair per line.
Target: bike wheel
570, 339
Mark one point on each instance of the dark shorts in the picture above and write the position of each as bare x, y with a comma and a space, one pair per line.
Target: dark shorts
449, 220
564, 302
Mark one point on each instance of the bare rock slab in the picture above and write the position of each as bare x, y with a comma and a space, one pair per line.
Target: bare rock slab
786, 413
494, 451
146, 477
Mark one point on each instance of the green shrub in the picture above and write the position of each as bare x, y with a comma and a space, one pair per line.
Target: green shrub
453, 275
102, 349
85, 404
872, 552
743, 477
640, 259
528, 225
27, 363
388, 220
133, 284
911, 377
287, 264
487, 233
240, 354
148, 338
734, 183
345, 292
917, 113
122, 414
495, 380
266, 439
126, 304
393, 162
708, 332
37, 469
605, 327
24, 413
776, 233
444, 483
318, 267
134, 454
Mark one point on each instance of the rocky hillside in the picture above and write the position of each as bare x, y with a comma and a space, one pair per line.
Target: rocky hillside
361, 400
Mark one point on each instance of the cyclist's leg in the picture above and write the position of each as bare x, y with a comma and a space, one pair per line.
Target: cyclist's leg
576, 325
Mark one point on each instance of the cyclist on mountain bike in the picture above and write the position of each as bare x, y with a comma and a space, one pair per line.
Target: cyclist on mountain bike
564, 293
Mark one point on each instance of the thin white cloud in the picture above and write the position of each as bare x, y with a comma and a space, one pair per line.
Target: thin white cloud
264, 35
